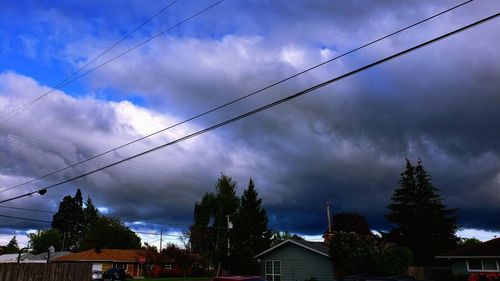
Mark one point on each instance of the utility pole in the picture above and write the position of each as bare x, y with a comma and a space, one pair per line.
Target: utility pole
329, 218
229, 226
64, 237
161, 238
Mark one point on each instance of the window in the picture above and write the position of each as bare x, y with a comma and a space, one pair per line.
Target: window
273, 270
487, 265
168, 266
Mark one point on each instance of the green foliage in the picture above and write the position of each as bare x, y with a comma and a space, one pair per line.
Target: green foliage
69, 220
248, 237
11, 248
106, 232
468, 242
82, 228
280, 236
420, 220
181, 256
43, 239
352, 253
250, 233
350, 222
209, 233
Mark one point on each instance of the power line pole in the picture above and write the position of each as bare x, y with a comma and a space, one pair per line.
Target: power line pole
329, 218
161, 238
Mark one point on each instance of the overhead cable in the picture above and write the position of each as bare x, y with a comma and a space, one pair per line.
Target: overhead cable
262, 108
69, 80
238, 99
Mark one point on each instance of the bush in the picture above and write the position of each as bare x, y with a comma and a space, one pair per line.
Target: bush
484, 276
352, 253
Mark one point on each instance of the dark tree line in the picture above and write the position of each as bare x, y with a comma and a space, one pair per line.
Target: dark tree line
80, 226
213, 237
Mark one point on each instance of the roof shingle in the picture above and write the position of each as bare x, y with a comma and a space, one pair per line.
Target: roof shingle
110, 255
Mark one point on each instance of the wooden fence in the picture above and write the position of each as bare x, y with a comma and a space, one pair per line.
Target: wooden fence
45, 271
436, 273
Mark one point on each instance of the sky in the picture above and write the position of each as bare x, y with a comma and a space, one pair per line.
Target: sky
345, 143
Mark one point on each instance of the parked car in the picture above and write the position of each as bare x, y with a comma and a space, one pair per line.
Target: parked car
96, 275
239, 278
377, 277
114, 274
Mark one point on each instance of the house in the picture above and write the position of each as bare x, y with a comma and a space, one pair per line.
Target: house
14, 258
484, 257
296, 260
42, 258
104, 259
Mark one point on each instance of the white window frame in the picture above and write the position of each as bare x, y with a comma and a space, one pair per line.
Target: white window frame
482, 266
168, 266
272, 273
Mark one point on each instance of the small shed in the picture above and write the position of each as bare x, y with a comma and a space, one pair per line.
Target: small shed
484, 257
296, 260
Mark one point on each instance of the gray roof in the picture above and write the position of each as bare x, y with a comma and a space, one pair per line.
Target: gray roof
317, 247
43, 256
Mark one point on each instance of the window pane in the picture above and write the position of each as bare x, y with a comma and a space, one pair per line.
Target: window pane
277, 278
269, 268
269, 277
475, 265
277, 268
490, 265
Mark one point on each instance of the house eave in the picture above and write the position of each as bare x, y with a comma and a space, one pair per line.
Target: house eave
467, 257
293, 242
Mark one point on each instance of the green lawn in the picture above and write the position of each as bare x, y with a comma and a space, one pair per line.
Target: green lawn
176, 279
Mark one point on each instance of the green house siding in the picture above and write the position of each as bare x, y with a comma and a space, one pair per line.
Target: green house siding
459, 267
299, 264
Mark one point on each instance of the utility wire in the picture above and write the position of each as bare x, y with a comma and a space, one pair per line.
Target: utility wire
26, 219
112, 59
62, 83
262, 108
238, 99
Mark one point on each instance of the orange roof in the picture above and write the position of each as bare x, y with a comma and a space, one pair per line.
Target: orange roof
110, 255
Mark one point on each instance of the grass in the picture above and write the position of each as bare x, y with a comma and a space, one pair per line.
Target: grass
176, 279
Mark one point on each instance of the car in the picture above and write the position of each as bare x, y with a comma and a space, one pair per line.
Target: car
239, 278
96, 275
377, 277
114, 274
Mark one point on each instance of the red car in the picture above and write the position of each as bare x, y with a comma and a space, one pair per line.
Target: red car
239, 278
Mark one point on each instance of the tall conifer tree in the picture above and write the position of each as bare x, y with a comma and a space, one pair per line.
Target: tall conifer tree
420, 220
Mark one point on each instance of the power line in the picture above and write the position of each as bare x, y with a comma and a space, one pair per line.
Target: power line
62, 83
113, 59
26, 219
262, 108
239, 99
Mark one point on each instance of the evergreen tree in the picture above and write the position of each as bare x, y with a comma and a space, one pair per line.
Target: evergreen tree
209, 233
250, 233
70, 220
11, 248
420, 220
110, 233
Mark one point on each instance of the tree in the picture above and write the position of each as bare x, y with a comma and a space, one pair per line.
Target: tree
209, 233
350, 222
11, 248
280, 236
181, 256
352, 253
70, 220
43, 239
108, 232
420, 220
250, 233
